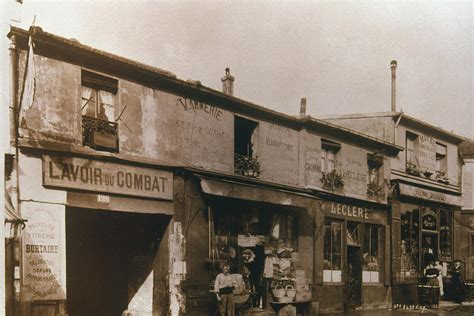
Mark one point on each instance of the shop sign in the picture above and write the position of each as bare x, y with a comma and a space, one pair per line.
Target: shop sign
429, 195
42, 255
107, 177
348, 210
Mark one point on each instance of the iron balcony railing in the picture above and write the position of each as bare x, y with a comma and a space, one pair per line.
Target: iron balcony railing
246, 166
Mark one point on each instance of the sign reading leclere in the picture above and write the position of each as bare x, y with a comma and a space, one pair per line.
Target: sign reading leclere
100, 176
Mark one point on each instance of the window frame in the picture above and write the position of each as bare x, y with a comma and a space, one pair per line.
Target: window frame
373, 276
332, 275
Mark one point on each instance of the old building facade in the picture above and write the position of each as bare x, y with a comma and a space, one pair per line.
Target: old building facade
425, 200
467, 238
135, 186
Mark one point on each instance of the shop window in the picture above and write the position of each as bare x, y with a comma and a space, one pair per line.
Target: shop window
409, 244
412, 145
441, 161
445, 234
99, 129
332, 251
372, 254
245, 145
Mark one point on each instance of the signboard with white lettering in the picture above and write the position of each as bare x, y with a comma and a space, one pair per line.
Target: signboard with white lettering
107, 177
352, 211
429, 195
43, 252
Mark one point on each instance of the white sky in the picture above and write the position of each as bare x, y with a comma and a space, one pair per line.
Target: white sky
337, 55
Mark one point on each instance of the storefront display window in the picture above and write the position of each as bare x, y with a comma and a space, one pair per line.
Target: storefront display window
445, 232
409, 247
372, 254
332, 251
260, 245
426, 236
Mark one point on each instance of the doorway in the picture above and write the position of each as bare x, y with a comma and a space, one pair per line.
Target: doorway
109, 256
353, 278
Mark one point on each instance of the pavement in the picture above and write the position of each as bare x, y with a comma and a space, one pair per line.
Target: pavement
444, 309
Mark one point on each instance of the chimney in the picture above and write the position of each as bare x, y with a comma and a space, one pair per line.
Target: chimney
228, 82
393, 66
303, 107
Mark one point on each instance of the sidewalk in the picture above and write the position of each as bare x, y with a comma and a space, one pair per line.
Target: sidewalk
445, 308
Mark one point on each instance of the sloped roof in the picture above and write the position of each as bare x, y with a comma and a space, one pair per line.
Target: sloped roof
467, 148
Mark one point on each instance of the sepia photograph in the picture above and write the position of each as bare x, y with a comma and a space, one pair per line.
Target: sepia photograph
236, 158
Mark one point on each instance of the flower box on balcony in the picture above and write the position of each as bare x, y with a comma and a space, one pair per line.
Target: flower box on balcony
247, 166
332, 180
104, 141
99, 134
411, 168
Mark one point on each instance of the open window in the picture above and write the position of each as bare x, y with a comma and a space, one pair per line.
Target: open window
441, 161
245, 145
99, 129
412, 151
331, 179
375, 177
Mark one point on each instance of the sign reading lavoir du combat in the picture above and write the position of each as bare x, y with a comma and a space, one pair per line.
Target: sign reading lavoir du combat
107, 177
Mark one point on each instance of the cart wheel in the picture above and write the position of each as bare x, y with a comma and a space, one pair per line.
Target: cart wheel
244, 310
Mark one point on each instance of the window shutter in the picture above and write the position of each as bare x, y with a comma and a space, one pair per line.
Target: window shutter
387, 256
99, 82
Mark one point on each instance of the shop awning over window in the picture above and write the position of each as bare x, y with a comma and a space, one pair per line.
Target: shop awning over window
254, 192
13, 220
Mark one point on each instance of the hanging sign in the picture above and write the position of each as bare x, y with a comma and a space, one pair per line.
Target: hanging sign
107, 177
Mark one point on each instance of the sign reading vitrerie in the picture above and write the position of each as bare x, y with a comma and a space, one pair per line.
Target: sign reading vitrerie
94, 175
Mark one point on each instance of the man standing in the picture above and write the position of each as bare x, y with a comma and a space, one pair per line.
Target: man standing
224, 289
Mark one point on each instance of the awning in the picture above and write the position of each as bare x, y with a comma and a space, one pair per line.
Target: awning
429, 195
14, 223
254, 192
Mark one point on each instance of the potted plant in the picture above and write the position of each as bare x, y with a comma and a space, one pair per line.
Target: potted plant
332, 180
374, 189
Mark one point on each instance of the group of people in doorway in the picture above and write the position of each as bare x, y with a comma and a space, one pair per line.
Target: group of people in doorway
433, 275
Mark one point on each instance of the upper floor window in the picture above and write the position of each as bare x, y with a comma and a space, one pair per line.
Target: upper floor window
441, 159
412, 148
375, 176
329, 150
99, 129
245, 146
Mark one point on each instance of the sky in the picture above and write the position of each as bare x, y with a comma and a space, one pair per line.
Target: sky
335, 54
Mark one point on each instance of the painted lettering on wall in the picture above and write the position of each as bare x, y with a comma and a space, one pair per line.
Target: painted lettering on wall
427, 153
107, 177
41, 254
312, 167
193, 105
279, 144
354, 175
199, 130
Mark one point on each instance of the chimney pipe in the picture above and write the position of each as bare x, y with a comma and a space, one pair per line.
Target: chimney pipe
303, 107
228, 82
393, 66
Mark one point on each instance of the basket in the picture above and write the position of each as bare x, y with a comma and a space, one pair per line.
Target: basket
290, 291
285, 299
278, 292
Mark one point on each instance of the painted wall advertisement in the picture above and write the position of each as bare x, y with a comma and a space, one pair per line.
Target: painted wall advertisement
427, 152
43, 252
